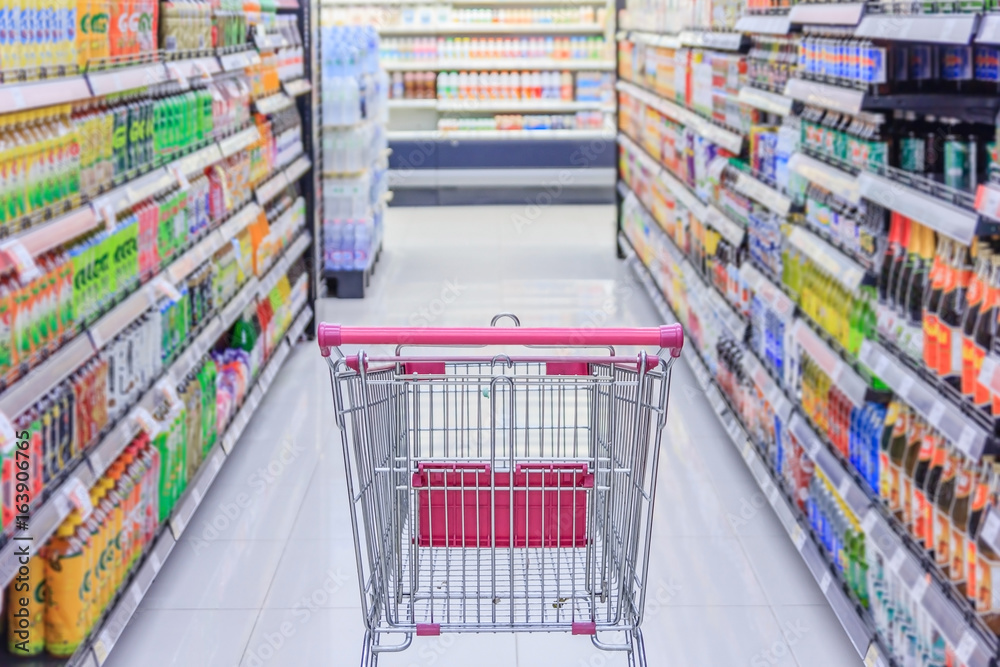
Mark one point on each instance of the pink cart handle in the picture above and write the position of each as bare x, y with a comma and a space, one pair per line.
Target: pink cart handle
667, 336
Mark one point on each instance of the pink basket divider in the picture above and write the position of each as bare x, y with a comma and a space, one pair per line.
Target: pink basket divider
455, 502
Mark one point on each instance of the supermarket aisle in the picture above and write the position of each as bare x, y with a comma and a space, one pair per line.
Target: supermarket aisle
264, 575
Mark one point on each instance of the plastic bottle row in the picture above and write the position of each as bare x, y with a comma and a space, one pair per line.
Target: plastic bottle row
69, 35
348, 51
444, 14
80, 570
353, 149
464, 48
55, 155
584, 87
581, 120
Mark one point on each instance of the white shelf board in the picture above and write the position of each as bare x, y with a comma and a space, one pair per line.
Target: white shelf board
840, 183
947, 418
494, 29
927, 28
952, 221
765, 25
499, 64
827, 96
840, 373
836, 264
838, 14
765, 100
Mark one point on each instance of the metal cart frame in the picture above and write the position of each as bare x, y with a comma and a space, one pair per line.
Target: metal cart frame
505, 493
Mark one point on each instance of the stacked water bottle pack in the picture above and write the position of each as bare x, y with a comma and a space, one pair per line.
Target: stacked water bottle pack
355, 110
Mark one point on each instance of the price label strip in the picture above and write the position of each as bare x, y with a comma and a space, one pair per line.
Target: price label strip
146, 421
936, 413
868, 523
920, 588
966, 647
872, 656
845, 485
22, 260
991, 528
798, 537
897, 560
182, 180
174, 70
79, 497
824, 583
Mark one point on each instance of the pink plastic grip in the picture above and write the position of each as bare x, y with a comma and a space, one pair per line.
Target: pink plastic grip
668, 336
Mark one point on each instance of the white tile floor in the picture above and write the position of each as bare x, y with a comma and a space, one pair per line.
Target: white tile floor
265, 574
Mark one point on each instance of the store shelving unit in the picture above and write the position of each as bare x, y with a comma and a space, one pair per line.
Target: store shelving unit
682, 294
855, 622
35, 237
487, 166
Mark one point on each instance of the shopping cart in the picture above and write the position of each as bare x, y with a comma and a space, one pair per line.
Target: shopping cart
506, 493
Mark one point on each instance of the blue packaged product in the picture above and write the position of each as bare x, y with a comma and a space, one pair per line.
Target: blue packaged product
956, 63
922, 63
873, 63
987, 63
854, 60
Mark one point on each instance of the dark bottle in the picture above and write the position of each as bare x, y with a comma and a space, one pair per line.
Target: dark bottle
939, 458
934, 149
932, 307
919, 275
914, 440
884, 456
908, 259
943, 502
897, 452
925, 455
892, 248
974, 300
985, 334
912, 144
977, 505
952, 310
965, 479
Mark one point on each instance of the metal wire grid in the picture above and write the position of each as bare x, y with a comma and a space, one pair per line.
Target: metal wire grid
472, 414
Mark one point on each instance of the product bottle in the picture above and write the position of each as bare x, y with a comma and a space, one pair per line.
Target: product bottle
939, 459
918, 510
986, 327
980, 496
932, 307
952, 310
885, 275
885, 488
975, 299
66, 581
964, 481
914, 442
919, 281
987, 560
